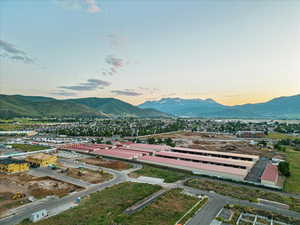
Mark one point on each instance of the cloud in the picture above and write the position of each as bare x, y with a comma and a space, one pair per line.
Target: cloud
114, 64
10, 51
91, 84
90, 6
114, 61
63, 93
126, 92
25, 59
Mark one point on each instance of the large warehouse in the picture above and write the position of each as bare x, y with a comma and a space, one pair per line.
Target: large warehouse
212, 163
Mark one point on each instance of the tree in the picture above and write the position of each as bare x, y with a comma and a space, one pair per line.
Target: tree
280, 147
284, 168
159, 141
99, 140
170, 142
108, 143
151, 140
263, 143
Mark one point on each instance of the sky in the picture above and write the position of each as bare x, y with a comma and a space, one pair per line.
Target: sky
234, 51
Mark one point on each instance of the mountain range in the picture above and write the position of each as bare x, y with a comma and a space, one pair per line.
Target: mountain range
277, 108
37, 106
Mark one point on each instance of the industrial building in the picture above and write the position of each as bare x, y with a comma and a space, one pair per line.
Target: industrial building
9, 165
270, 175
41, 159
212, 163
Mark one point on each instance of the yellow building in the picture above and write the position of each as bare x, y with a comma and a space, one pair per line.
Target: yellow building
10, 165
41, 159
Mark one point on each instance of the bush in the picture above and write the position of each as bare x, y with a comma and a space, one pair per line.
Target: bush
284, 168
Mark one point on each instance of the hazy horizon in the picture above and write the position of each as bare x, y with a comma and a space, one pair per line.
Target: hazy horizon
235, 52
65, 98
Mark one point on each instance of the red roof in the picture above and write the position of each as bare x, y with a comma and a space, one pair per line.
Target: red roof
115, 153
211, 159
201, 166
254, 157
149, 147
270, 173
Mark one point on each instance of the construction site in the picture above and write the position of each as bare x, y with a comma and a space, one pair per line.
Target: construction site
28, 178
22, 188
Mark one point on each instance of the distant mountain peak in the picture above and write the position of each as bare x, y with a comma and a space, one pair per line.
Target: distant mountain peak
277, 108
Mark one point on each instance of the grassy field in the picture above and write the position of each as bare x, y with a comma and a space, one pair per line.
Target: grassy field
170, 176
103, 207
28, 147
292, 183
9, 127
280, 136
241, 192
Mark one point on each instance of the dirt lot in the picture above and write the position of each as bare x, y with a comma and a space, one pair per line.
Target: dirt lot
112, 164
192, 135
216, 142
89, 176
27, 185
241, 147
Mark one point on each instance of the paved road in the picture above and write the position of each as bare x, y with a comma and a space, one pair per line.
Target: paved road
208, 212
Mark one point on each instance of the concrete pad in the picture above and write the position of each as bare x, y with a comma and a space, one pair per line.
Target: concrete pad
150, 180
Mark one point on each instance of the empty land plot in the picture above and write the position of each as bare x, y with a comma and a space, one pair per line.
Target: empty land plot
28, 147
241, 192
87, 175
105, 207
292, 183
168, 175
112, 164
